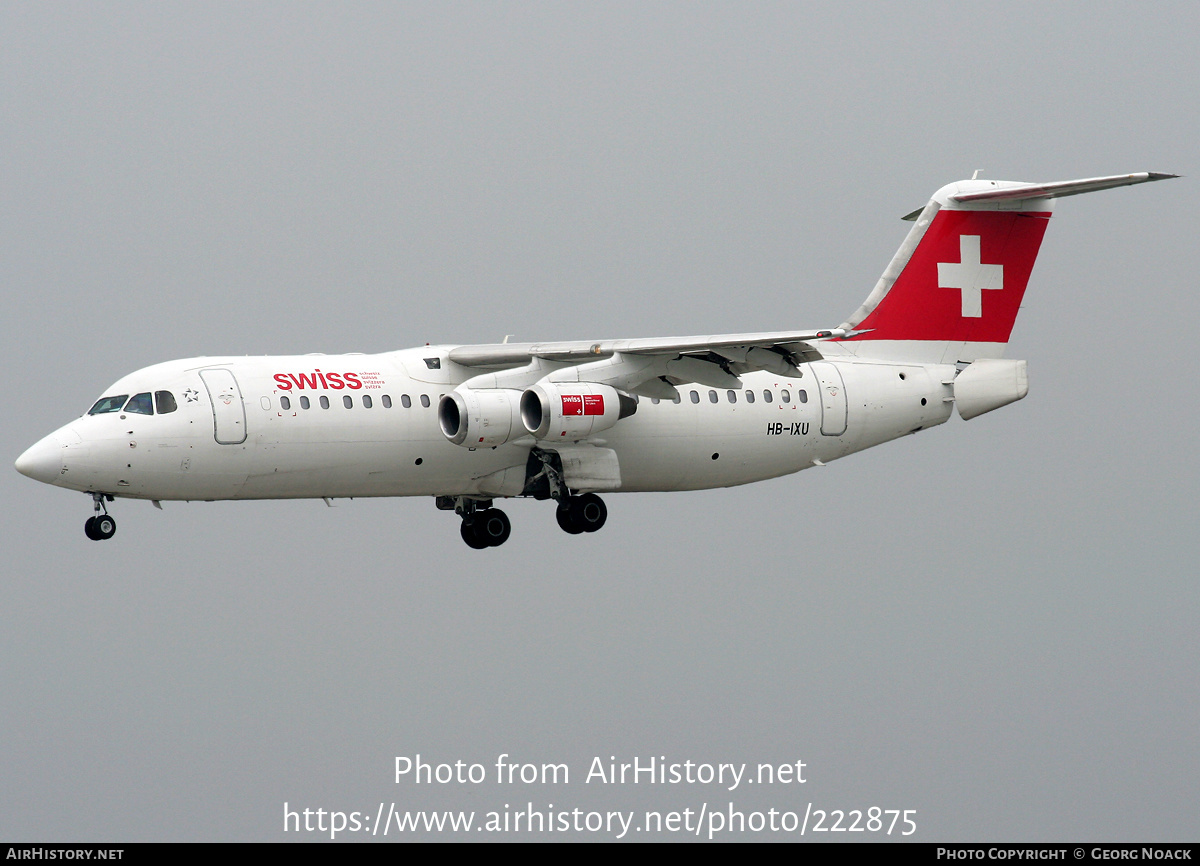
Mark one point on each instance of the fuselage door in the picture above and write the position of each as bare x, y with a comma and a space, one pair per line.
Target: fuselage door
229, 412
833, 398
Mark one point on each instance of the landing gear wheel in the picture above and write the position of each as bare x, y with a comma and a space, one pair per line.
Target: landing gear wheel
492, 527
100, 528
589, 512
563, 516
105, 527
578, 514
467, 531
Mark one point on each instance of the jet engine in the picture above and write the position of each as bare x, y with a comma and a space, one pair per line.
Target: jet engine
571, 411
480, 418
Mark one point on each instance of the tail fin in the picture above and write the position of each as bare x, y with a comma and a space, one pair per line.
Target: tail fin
953, 289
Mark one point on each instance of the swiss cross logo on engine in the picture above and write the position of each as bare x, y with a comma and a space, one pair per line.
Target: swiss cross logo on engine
583, 404
970, 276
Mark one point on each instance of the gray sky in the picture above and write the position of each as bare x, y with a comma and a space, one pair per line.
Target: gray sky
991, 623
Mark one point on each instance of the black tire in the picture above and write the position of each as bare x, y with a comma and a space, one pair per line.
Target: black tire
589, 512
105, 527
89, 529
492, 526
563, 516
467, 531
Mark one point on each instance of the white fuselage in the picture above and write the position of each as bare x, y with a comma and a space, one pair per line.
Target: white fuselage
246, 433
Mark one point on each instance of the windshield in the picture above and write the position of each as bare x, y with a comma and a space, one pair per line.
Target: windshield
109, 404
140, 404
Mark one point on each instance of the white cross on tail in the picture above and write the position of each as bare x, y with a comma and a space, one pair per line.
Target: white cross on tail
970, 276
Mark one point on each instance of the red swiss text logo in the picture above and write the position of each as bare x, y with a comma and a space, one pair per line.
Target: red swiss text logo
585, 404
316, 379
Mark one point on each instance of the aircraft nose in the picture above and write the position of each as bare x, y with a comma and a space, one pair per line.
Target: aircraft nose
43, 462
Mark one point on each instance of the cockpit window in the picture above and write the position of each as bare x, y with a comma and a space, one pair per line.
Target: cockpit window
140, 404
109, 404
164, 402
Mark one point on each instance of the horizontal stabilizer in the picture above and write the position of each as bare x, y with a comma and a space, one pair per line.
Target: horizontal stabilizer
1060, 189
992, 190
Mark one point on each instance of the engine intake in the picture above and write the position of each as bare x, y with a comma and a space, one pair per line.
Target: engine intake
568, 412
480, 418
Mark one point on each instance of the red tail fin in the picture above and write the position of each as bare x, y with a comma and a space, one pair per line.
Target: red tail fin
953, 289
965, 280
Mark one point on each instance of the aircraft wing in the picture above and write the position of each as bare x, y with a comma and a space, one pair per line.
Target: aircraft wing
513, 354
652, 366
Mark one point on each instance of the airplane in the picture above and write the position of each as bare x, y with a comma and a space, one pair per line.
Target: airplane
567, 421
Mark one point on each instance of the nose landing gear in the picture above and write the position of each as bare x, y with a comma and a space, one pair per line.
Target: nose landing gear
101, 526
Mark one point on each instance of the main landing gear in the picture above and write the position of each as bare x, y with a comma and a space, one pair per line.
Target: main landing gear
484, 526
576, 513
101, 526
585, 513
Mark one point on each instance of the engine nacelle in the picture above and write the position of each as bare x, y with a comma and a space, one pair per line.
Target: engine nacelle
571, 411
480, 418
988, 384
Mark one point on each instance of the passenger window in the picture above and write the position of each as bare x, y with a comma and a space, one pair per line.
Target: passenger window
387, 401
109, 404
654, 401
324, 402
766, 396
732, 396
425, 400
749, 396
304, 404
140, 404
285, 403
802, 396
676, 399
785, 396
366, 401
405, 401
695, 397
347, 401
164, 402
712, 397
